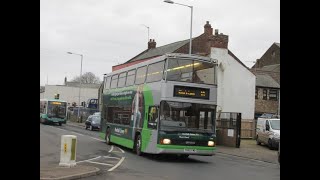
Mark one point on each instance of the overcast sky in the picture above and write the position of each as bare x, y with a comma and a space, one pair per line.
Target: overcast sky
108, 32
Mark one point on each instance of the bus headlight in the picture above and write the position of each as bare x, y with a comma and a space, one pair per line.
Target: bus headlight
210, 143
166, 141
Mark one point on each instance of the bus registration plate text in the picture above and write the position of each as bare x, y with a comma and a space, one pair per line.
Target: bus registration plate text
190, 150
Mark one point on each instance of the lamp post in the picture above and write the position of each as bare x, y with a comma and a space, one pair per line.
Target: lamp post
79, 82
191, 7
148, 30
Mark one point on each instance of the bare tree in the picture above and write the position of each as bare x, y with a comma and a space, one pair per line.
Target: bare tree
87, 78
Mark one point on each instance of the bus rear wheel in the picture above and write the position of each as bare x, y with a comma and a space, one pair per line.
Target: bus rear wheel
138, 145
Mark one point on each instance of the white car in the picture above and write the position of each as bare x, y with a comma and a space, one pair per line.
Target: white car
97, 113
268, 132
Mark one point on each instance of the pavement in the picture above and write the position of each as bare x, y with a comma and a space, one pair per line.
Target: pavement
248, 149
67, 173
70, 123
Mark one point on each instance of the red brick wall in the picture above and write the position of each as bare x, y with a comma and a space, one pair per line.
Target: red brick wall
270, 57
200, 46
219, 41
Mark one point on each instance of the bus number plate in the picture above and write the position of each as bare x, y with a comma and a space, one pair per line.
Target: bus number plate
190, 150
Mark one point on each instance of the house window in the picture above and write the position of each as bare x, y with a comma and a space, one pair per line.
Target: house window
273, 94
264, 94
256, 93
273, 54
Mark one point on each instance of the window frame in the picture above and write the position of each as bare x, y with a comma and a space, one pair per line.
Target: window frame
134, 77
106, 82
162, 76
276, 94
111, 81
125, 79
265, 94
145, 74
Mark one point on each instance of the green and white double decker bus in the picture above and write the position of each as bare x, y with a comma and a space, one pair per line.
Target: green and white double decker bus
166, 105
53, 111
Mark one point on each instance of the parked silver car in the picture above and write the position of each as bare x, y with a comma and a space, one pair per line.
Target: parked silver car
268, 132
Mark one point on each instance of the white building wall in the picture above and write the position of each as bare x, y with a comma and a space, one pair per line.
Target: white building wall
236, 85
70, 94
42, 95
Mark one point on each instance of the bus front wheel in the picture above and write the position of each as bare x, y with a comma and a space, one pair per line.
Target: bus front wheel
138, 145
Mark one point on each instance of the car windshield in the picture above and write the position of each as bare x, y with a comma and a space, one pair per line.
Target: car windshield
275, 124
187, 116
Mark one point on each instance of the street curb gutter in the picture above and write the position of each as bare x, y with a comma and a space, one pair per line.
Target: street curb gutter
76, 176
246, 157
76, 125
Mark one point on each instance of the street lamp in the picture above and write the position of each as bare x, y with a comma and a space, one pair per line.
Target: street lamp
148, 30
191, 7
79, 82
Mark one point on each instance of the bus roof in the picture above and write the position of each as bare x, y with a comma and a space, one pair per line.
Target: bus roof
58, 100
160, 58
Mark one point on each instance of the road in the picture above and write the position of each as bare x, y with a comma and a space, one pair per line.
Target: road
119, 163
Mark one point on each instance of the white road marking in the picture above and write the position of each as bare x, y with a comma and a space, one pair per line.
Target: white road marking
89, 159
111, 148
118, 164
77, 133
117, 152
121, 150
111, 157
100, 163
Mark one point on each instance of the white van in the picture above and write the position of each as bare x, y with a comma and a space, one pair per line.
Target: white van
268, 132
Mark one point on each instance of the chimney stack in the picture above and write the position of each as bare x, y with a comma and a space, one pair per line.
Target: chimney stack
216, 31
151, 44
207, 29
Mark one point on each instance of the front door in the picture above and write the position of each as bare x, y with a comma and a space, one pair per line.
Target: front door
150, 132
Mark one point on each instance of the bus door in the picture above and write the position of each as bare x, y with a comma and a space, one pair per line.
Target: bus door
152, 117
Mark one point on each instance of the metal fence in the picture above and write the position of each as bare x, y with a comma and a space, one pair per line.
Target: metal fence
228, 120
83, 115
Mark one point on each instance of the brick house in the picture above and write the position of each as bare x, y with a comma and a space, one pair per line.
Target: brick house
270, 57
235, 81
267, 70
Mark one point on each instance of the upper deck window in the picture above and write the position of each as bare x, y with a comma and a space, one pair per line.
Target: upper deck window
141, 75
191, 71
155, 72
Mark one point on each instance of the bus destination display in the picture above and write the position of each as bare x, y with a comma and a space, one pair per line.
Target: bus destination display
191, 92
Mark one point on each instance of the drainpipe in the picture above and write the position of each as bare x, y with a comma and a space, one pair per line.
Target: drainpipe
279, 104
